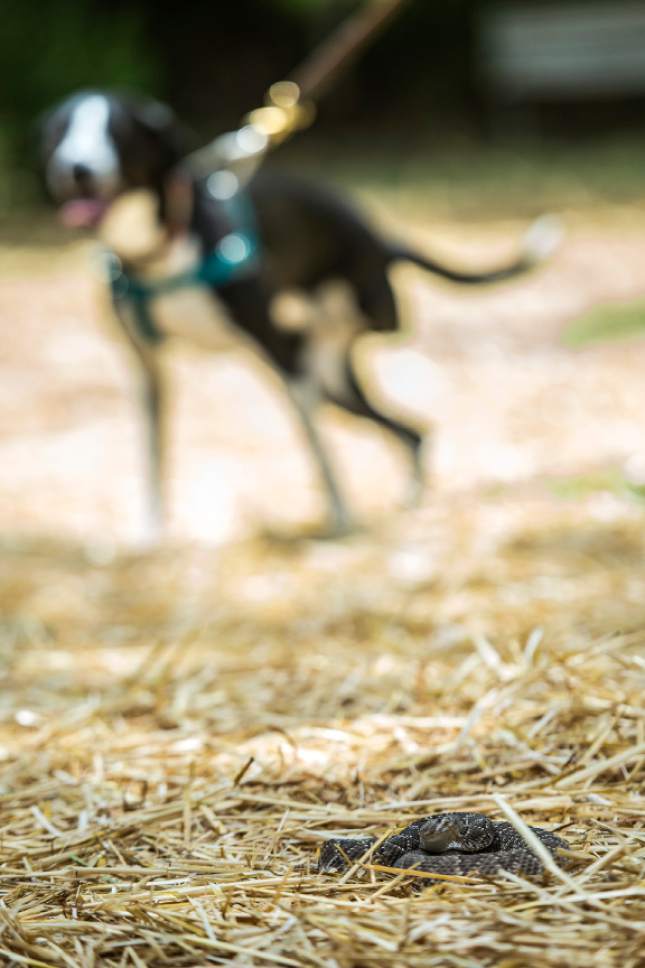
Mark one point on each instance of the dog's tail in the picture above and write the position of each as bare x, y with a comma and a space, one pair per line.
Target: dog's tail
540, 242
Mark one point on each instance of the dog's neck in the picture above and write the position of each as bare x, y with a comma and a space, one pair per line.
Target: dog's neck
142, 225
177, 200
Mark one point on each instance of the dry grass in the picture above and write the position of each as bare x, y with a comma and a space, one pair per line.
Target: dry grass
179, 733
180, 730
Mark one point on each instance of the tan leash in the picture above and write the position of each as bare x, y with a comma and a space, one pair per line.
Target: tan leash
290, 104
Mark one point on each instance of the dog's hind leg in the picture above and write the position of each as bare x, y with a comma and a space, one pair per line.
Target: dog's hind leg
353, 399
305, 396
378, 305
377, 301
285, 351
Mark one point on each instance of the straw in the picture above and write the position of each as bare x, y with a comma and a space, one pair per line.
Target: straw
171, 814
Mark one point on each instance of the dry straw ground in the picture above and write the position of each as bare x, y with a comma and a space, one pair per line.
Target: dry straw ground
179, 729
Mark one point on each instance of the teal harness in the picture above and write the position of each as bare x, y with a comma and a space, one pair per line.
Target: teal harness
235, 255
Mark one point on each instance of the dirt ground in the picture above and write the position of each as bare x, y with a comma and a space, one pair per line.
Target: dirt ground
509, 402
226, 700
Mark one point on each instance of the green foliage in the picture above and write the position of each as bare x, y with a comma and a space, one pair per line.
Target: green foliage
48, 50
608, 481
311, 7
608, 322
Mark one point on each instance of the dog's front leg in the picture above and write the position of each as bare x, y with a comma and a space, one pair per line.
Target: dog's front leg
152, 402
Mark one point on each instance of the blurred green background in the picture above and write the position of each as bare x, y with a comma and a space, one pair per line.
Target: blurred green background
414, 107
213, 60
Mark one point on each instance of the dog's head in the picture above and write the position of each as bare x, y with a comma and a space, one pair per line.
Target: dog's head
96, 145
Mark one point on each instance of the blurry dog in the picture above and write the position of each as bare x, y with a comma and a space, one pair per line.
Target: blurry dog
192, 251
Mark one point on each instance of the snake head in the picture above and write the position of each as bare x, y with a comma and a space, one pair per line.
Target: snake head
466, 832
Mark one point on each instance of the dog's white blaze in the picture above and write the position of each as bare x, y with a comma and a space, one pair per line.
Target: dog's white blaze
87, 141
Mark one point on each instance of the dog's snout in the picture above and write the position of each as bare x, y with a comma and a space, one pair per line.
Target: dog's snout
81, 174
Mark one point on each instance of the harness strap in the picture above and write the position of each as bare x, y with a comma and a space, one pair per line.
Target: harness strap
235, 255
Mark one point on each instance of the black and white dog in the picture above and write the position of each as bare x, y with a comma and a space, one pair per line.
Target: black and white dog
192, 250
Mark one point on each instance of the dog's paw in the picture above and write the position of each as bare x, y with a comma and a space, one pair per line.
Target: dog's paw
337, 530
334, 530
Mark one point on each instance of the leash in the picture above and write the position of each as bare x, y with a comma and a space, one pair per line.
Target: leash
316, 74
290, 104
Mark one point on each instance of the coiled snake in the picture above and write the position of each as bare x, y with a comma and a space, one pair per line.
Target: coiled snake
447, 843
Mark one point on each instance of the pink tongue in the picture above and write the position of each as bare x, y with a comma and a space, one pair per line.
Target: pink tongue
81, 213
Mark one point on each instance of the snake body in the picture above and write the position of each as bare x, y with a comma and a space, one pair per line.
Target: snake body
446, 843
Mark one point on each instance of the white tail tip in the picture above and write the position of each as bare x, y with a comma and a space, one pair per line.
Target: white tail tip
542, 239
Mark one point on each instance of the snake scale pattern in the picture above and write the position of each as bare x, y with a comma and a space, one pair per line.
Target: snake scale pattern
446, 843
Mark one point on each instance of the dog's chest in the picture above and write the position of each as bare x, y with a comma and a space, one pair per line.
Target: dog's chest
192, 311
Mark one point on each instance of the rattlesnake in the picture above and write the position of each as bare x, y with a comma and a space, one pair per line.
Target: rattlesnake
447, 843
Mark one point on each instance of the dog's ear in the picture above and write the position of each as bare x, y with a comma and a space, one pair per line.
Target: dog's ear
38, 140
161, 125
43, 129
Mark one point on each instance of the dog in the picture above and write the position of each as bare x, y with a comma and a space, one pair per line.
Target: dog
233, 250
